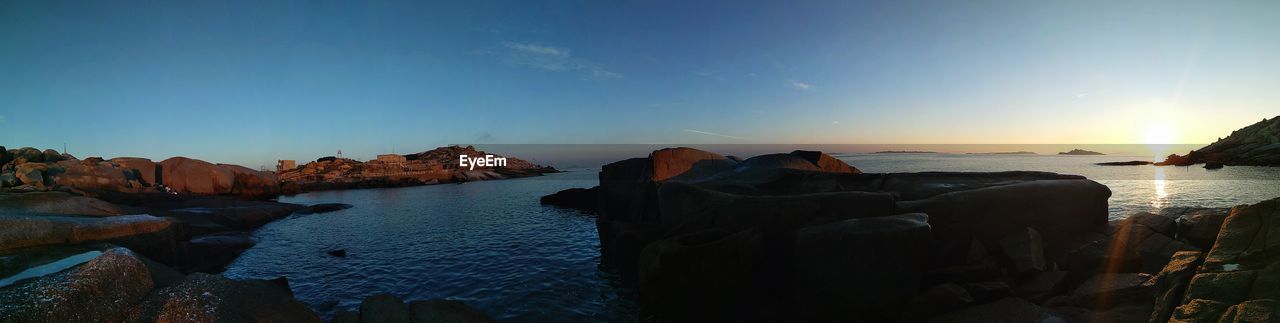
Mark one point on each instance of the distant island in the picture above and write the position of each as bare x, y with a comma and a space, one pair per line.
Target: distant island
1126, 163
1007, 153
434, 166
1081, 152
1255, 145
905, 152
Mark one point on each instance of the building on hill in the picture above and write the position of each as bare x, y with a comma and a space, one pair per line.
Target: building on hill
285, 164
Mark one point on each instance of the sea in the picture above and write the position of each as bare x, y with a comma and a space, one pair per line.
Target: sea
491, 245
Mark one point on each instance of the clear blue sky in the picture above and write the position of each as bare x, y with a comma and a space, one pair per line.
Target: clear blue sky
254, 81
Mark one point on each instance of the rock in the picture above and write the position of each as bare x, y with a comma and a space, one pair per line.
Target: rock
1230, 287
227, 214
1254, 145
5, 156
32, 173
212, 252
1200, 226
1081, 152
9, 179
384, 308
1040, 286
1170, 284
584, 199
338, 252
251, 183
96, 177
27, 155
1059, 210
702, 277
1025, 252
1213, 165
213, 298
670, 162
962, 274
1258, 310
51, 156
936, 300
322, 208
1004, 310
1126, 163
145, 168
56, 203
825, 162
446, 311
1105, 291
30, 230
100, 290
832, 278
345, 316
1198, 310
1149, 236
988, 291
687, 208
193, 176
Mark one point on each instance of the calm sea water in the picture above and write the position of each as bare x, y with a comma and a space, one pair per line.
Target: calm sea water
491, 245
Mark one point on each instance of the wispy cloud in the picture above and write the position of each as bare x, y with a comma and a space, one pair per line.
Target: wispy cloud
551, 58
713, 134
1081, 95
799, 85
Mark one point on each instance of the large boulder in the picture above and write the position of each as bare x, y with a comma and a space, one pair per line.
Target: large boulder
1150, 236
384, 308
100, 290
670, 162
194, 176
1171, 283
840, 271
213, 298
825, 162
33, 174
584, 199
88, 176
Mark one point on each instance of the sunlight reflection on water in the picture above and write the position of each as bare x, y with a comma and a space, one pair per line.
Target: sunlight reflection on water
1161, 197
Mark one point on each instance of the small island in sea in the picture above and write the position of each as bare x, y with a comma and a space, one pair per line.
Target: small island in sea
1081, 152
905, 152
1126, 163
1007, 153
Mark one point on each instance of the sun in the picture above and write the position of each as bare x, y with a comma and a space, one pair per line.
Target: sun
1158, 133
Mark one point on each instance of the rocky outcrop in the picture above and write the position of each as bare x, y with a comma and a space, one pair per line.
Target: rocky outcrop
212, 298
804, 236
28, 169
193, 176
574, 198
101, 290
1255, 145
391, 309
440, 165
1240, 276
322, 208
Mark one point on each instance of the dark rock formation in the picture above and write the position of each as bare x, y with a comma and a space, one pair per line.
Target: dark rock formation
385, 308
56, 203
322, 208
803, 236
1255, 145
1240, 276
211, 298
1126, 163
574, 198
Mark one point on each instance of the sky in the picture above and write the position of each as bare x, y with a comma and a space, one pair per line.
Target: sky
250, 82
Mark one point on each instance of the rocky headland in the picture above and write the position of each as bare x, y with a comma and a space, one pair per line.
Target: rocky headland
129, 239
1255, 145
434, 166
803, 236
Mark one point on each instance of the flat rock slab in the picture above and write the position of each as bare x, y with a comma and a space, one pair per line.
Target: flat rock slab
55, 203
37, 230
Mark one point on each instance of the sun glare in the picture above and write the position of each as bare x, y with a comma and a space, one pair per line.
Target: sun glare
1156, 133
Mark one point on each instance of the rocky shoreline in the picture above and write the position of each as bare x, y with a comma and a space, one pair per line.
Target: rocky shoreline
436, 166
1255, 145
804, 237
128, 239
